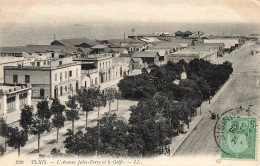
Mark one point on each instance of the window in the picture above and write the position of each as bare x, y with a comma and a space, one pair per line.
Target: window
85, 84
100, 65
65, 74
70, 74
42, 92
38, 63
66, 88
60, 76
60, 63
48, 62
15, 78
44, 62
22, 100
109, 64
55, 76
52, 55
96, 80
11, 104
92, 82
106, 65
27, 78
70, 87
77, 72
103, 65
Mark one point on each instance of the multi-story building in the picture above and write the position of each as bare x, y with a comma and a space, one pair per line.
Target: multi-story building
12, 99
9, 61
52, 77
188, 55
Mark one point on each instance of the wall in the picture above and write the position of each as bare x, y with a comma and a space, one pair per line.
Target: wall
66, 82
8, 61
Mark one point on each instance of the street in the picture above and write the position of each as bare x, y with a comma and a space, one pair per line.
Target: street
242, 90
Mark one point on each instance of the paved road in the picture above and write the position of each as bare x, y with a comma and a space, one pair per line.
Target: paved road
242, 90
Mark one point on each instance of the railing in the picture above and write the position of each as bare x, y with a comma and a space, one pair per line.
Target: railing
41, 67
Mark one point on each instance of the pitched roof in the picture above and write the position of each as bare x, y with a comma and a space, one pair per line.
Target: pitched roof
160, 52
117, 42
33, 49
167, 45
75, 42
99, 46
119, 60
84, 50
145, 54
135, 44
118, 49
137, 60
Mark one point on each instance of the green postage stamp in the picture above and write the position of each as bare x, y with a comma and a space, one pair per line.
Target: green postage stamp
239, 137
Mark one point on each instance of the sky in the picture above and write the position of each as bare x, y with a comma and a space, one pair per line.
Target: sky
147, 11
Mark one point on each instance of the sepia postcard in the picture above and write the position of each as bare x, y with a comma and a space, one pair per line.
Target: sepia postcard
129, 82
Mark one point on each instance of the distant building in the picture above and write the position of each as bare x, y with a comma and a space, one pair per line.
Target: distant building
95, 69
122, 66
36, 51
149, 58
163, 55
12, 99
137, 63
10, 61
213, 47
188, 55
230, 44
52, 77
76, 42
166, 45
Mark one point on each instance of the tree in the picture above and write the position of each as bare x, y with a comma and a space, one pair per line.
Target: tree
117, 97
41, 121
87, 99
110, 97
72, 114
143, 126
17, 138
73, 141
2, 150
137, 87
43, 110
58, 118
39, 126
26, 117
99, 101
3, 130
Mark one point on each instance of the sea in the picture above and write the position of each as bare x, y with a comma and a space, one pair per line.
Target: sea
44, 34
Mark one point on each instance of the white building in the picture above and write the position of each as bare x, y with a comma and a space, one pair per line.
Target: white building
12, 99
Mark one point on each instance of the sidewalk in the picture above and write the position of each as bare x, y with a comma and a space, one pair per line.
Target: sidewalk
178, 140
48, 140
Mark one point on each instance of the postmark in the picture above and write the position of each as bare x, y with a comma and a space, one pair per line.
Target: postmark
235, 133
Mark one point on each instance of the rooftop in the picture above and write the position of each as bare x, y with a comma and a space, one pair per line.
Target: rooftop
9, 89
145, 54
74, 42
33, 49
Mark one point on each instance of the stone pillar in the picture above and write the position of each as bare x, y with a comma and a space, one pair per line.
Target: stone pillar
29, 97
17, 101
4, 105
